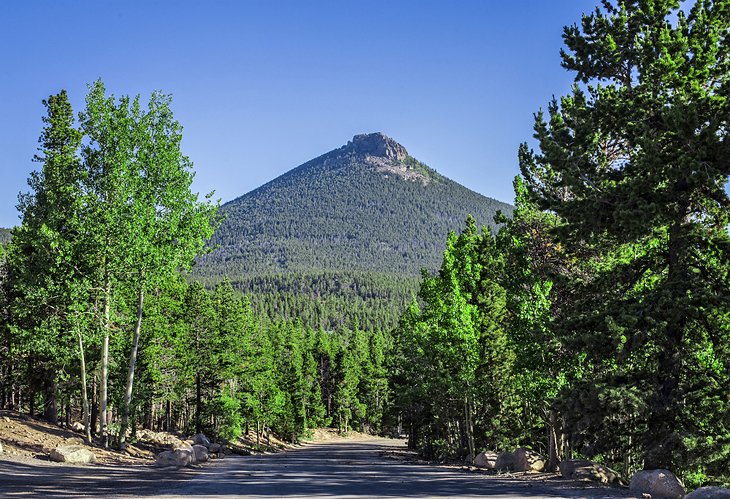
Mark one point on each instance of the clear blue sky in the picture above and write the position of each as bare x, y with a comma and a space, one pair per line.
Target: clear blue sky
263, 86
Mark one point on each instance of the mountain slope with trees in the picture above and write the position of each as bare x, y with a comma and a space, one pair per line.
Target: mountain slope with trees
351, 229
5, 235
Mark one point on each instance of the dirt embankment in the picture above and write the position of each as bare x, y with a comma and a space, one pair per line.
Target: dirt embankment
23, 437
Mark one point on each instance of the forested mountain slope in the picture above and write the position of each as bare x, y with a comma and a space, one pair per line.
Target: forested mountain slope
5, 235
342, 236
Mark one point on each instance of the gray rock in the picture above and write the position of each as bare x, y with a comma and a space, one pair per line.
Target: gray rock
659, 483
186, 449
528, 460
72, 454
505, 461
486, 459
167, 458
201, 439
378, 144
201, 453
215, 448
709, 493
587, 470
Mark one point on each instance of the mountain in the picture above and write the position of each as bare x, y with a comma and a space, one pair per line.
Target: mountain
344, 236
5, 235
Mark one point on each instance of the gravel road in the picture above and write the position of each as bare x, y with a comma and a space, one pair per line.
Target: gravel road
341, 468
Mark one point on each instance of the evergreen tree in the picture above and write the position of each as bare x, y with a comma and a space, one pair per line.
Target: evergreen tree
47, 257
634, 163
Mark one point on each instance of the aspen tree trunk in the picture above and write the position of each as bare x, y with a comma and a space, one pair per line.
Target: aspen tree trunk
84, 393
103, 395
130, 370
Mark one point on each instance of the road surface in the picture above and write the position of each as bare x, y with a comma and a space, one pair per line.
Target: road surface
341, 468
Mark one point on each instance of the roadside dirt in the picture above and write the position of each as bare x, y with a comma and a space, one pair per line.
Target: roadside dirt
24, 438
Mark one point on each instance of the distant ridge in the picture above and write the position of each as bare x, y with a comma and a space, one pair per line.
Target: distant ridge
344, 236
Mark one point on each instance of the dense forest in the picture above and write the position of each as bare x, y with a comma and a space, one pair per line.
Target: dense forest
592, 321
342, 237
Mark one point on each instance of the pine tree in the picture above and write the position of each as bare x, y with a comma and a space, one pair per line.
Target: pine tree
634, 162
47, 256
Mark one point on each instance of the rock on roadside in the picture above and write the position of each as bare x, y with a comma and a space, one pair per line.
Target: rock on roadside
505, 461
709, 493
201, 453
72, 454
178, 458
659, 483
583, 469
486, 459
528, 460
201, 439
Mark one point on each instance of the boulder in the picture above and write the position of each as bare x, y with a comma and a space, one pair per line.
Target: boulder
528, 460
201, 453
170, 458
709, 493
185, 449
486, 459
201, 439
72, 454
505, 461
215, 448
658, 483
76, 426
586, 470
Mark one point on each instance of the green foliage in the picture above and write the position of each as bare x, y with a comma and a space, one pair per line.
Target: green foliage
633, 164
450, 357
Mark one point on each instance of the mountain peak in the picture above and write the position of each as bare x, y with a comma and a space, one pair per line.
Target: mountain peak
379, 145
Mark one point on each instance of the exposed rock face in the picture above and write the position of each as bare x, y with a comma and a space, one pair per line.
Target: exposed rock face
658, 483
72, 454
201, 453
378, 144
528, 460
386, 155
505, 461
582, 469
709, 493
486, 459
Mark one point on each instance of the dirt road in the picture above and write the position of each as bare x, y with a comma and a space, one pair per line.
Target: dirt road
331, 469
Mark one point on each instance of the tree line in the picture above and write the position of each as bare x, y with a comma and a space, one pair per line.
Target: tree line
596, 321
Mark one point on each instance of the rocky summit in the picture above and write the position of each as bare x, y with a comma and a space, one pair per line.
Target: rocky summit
352, 227
377, 144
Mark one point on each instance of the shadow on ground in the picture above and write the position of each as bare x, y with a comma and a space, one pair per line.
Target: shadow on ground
326, 470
